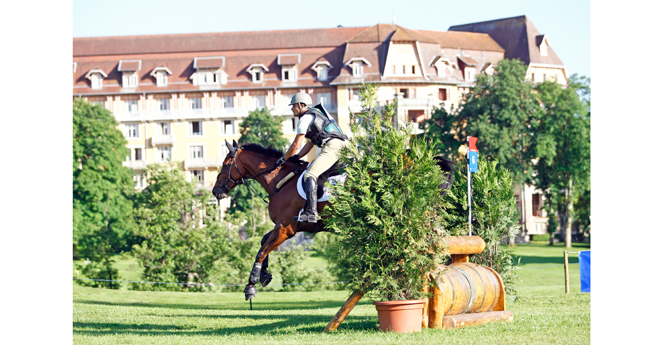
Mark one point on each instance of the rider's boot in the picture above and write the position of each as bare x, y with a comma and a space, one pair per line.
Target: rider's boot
311, 190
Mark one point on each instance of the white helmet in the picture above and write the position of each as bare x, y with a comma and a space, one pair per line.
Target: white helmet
301, 97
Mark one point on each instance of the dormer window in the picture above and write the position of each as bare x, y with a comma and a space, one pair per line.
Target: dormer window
442, 65
357, 65
469, 67
209, 71
321, 67
289, 64
470, 74
129, 70
257, 71
161, 75
96, 77
542, 42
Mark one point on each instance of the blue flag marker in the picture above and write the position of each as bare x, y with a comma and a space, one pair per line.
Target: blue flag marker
584, 258
473, 158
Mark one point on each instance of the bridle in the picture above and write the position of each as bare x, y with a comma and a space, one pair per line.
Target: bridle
243, 180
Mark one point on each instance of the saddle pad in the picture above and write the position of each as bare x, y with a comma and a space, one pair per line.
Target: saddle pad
326, 193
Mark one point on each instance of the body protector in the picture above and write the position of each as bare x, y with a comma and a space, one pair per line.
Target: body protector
323, 127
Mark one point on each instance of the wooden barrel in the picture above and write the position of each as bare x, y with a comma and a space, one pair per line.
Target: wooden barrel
467, 288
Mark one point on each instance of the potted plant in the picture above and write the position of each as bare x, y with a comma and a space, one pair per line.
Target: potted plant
386, 215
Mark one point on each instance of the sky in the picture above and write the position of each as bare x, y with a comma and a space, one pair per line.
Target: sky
565, 22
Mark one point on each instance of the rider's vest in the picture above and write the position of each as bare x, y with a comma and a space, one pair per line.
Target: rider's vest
322, 128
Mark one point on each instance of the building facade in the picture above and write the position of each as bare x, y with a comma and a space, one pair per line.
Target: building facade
179, 97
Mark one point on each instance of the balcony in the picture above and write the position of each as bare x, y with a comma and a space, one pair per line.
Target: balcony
416, 102
163, 140
154, 115
135, 165
196, 163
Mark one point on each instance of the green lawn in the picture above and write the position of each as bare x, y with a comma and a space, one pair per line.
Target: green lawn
543, 314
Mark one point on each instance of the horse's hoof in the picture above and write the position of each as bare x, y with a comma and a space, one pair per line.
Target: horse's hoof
250, 292
265, 279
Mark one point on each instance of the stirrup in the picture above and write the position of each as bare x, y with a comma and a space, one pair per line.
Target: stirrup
312, 218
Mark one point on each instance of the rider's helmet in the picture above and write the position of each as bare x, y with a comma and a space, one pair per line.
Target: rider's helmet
301, 97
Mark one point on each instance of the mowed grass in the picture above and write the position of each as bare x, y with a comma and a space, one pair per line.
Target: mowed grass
543, 314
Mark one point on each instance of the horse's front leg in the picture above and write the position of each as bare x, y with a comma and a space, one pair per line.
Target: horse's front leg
264, 277
280, 234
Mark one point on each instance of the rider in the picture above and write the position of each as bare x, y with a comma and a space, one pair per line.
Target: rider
321, 131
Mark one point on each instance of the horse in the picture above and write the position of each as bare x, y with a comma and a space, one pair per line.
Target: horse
254, 162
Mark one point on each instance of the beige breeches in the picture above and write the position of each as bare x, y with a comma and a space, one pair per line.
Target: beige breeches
329, 155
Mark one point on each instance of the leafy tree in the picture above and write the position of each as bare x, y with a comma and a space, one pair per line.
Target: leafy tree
440, 131
177, 247
494, 216
384, 213
102, 189
563, 169
260, 127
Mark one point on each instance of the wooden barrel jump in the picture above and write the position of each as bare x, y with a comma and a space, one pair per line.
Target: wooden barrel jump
464, 293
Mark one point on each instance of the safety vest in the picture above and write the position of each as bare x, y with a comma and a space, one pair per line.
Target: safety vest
323, 127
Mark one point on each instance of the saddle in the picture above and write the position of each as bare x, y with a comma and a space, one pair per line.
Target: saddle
333, 175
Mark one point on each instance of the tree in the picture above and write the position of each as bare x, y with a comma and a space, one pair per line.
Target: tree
102, 189
385, 213
177, 247
260, 127
563, 169
440, 130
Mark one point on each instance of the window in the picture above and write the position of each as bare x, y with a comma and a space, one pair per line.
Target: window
290, 125
131, 106
442, 94
358, 69
393, 69
544, 77
323, 98
227, 102
536, 205
97, 81
197, 175
161, 78
197, 151
289, 74
227, 127
405, 93
164, 128
413, 69
195, 102
130, 80
132, 130
356, 95
533, 77
258, 101
99, 103
137, 154
403, 69
322, 73
163, 104
469, 74
164, 153
287, 99
196, 128
139, 180
223, 151
258, 76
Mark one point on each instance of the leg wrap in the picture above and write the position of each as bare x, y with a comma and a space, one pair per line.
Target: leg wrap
254, 275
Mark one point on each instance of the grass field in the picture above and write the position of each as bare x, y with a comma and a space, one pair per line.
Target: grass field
543, 314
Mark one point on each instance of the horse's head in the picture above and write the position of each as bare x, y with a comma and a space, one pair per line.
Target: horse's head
229, 175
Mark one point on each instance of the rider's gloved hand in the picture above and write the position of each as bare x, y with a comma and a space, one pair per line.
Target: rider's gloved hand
294, 157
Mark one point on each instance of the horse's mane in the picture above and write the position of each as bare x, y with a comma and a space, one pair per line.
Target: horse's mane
269, 151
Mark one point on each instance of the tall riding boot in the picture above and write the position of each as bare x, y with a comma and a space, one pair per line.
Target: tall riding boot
311, 189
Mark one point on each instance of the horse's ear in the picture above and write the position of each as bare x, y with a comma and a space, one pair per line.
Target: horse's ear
229, 147
235, 144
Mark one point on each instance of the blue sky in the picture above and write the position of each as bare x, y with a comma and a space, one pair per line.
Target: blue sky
567, 23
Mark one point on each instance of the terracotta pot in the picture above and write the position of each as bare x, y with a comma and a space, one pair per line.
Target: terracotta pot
400, 316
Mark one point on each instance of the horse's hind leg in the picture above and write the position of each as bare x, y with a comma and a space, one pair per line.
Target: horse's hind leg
277, 237
264, 277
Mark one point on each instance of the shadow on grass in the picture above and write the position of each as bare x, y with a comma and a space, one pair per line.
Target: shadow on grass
256, 305
268, 324
525, 260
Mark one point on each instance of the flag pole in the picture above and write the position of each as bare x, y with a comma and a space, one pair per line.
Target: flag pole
469, 176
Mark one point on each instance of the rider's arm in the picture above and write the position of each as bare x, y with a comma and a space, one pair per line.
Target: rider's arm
295, 145
305, 150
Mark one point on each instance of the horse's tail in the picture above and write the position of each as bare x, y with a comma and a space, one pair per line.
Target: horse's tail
447, 166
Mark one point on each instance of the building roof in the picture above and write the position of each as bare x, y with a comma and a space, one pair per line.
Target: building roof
464, 40
217, 41
518, 37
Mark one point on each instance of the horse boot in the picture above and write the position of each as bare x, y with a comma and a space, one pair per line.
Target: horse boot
250, 291
311, 188
265, 277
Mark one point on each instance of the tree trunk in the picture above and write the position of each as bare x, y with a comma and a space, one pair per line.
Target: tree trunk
569, 215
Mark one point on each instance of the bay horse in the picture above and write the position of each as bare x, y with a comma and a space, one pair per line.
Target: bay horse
254, 162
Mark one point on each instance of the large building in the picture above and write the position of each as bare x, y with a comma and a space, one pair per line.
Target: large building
179, 97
